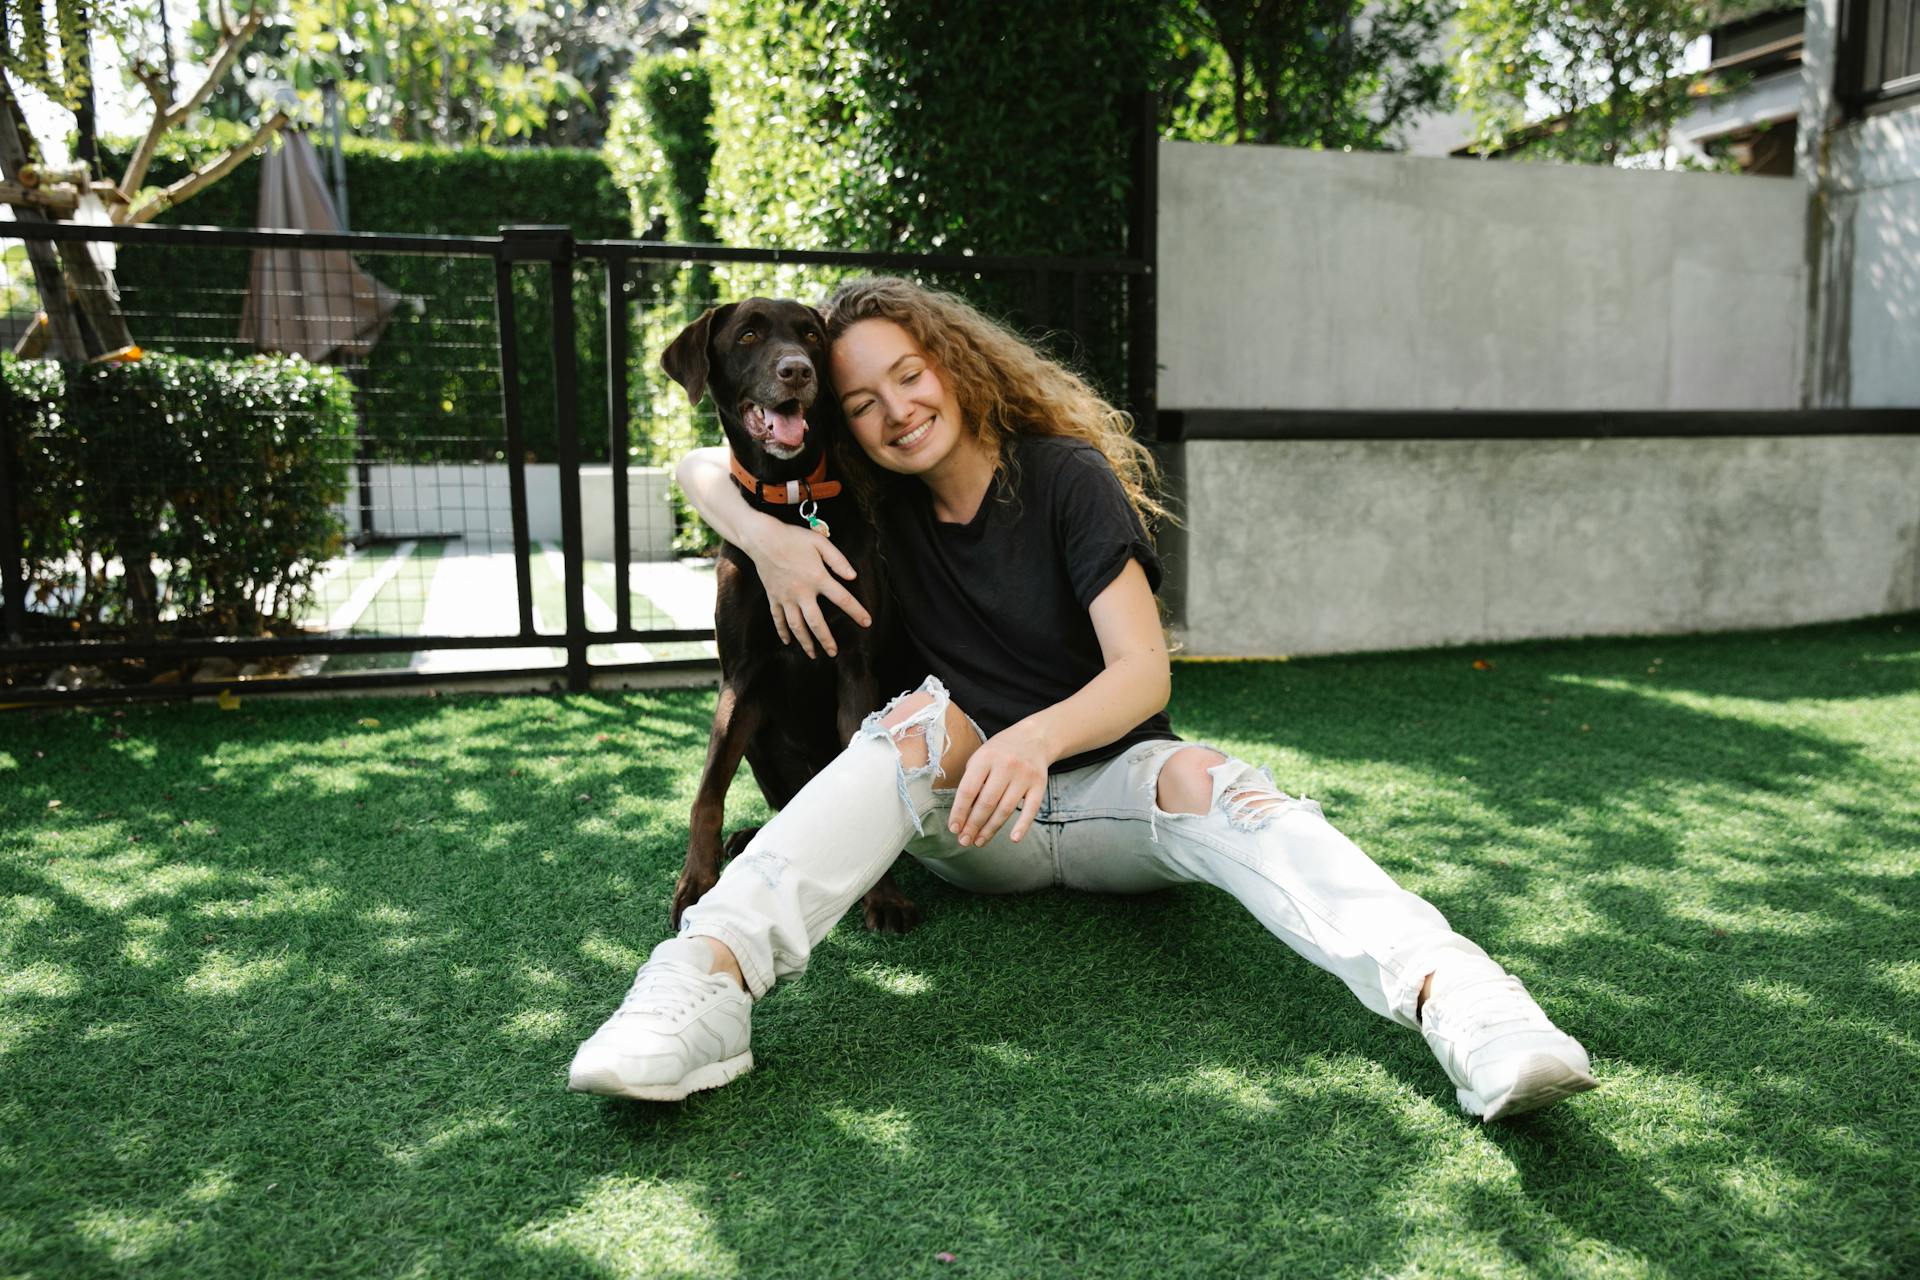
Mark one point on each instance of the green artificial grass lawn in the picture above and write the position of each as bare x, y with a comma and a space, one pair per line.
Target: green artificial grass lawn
291, 990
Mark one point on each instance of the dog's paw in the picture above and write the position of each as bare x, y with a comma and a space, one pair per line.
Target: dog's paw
890, 912
691, 887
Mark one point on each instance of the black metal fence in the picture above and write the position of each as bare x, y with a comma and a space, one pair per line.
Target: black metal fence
485, 511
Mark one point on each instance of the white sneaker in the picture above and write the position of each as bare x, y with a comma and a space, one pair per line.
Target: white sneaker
1502, 1053
681, 1028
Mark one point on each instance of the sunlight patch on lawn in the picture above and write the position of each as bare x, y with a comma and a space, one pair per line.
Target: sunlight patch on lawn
212, 1185
535, 1025
1902, 976
126, 1236
387, 914
889, 1131
116, 882
894, 981
1668, 1113
468, 800
40, 981
144, 945
24, 909
1776, 992
16, 1028
276, 900
627, 1227
1235, 1088
1003, 1054
458, 1129
221, 974
600, 948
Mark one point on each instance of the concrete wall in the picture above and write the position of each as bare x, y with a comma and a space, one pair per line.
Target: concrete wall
1300, 279
1862, 179
1876, 192
1311, 546
471, 499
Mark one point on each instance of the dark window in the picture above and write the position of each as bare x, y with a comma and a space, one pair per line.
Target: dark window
1879, 51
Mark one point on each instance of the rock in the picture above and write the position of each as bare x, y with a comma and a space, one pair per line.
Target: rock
213, 669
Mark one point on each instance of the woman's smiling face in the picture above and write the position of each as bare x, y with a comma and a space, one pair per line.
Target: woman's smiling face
899, 406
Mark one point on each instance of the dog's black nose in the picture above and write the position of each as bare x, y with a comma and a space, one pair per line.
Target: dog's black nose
795, 371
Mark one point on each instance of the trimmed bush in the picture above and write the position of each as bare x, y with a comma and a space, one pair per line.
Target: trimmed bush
225, 472
966, 125
660, 144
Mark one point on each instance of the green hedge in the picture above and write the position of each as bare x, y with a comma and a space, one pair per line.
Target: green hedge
962, 127
431, 389
660, 144
968, 125
225, 471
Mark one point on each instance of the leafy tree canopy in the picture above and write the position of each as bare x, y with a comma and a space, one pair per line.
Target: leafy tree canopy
1325, 73
1589, 81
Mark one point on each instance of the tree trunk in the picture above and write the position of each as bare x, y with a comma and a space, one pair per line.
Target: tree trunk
65, 273
63, 330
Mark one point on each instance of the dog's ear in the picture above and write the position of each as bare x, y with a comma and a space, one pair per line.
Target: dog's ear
686, 358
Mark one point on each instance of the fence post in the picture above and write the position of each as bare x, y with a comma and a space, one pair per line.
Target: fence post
619, 437
508, 336
1143, 231
13, 611
554, 245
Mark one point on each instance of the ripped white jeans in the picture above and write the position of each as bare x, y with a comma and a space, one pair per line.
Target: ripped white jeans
1099, 829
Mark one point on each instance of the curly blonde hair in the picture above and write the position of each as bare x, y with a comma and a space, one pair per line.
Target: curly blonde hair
1000, 382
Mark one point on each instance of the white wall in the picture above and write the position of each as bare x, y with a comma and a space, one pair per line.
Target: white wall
472, 500
1327, 280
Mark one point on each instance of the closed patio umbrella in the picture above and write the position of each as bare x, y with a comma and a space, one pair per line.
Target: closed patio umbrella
309, 302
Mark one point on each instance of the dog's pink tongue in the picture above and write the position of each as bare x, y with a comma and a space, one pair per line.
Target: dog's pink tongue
789, 429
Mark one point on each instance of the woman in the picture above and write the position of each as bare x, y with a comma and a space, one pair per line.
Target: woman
1010, 507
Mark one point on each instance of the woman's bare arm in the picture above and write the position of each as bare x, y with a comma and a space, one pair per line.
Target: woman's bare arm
1010, 769
797, 566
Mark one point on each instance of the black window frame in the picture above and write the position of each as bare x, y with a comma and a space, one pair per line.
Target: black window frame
1872, 72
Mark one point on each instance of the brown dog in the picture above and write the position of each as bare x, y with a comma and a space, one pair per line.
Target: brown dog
765, 361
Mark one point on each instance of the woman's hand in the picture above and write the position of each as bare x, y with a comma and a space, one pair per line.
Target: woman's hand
798, 567
1007, 770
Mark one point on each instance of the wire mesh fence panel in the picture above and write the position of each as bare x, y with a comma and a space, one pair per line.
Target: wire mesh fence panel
371, 458
293, 442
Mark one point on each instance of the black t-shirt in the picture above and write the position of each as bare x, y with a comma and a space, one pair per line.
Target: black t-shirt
997, 607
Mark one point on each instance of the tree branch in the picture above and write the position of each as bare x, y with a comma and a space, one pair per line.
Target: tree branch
203, 176
155, 86
166, 117
223, 57
59, 199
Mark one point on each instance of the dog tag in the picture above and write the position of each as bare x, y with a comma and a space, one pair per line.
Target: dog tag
814, 522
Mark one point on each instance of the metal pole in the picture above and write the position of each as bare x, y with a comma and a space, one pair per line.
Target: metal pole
1143, 231
334, 109
618, 436
566, 425
508, 337
13, 610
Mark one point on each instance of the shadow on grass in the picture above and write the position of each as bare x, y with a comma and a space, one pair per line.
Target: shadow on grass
316, 1016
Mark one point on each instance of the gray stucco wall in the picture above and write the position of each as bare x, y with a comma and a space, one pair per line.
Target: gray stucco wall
1862, 179
1324, 280
1874, 184
1297, 547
